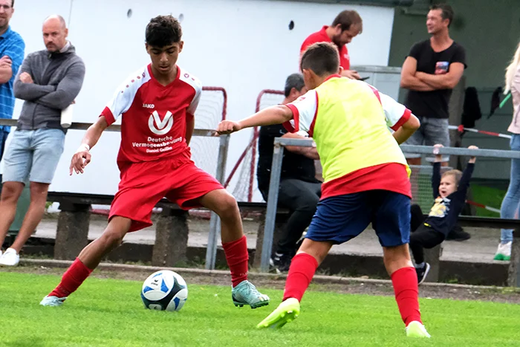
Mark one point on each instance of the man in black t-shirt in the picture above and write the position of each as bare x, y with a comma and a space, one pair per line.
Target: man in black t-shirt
299, 189
430, 72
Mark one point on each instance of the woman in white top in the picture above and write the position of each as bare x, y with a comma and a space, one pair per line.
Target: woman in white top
511, 203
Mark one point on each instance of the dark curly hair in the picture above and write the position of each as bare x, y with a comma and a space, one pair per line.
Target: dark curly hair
163, 31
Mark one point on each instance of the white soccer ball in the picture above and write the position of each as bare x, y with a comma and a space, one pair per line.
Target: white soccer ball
164, 290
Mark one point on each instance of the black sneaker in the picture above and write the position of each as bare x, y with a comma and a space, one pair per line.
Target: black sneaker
458, 234
281, 262
422, 272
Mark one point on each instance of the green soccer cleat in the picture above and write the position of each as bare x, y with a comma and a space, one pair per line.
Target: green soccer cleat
245, 293
285, 313
416, 329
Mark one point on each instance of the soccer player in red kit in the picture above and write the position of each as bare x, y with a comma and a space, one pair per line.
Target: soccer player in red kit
157, 105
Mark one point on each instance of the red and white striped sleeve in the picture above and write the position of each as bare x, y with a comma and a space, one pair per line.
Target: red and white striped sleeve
195, 83
396, 114
304, 110
124, 96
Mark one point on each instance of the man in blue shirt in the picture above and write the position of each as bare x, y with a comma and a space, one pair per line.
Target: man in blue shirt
12, 49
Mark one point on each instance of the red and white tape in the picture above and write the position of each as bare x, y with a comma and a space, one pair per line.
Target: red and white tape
492, 209
461, 129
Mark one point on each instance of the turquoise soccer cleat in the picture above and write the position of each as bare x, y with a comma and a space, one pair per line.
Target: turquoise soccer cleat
52, 301
245, 293
285, 313
416, 329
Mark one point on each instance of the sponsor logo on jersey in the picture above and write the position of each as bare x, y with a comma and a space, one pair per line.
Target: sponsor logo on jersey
148, 105
158, 126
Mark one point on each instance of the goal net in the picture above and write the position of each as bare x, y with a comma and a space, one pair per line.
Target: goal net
243, 175
210, 112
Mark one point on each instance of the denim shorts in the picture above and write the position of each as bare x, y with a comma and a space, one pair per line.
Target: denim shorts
431, 132
33, 155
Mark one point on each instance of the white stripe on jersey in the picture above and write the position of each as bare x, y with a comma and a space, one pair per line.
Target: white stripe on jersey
393, 110
196, 84
125, 93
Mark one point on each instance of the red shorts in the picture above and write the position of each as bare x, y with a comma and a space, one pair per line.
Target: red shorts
144, 184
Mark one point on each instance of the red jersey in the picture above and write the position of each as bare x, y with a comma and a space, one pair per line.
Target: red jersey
153, 126
321, 36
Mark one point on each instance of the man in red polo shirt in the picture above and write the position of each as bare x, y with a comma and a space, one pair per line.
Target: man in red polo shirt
347, 25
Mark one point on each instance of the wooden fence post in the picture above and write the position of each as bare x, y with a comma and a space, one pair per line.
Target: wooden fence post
72, 231
171, 237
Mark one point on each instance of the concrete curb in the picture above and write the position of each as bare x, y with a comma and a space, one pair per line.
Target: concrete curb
319, 279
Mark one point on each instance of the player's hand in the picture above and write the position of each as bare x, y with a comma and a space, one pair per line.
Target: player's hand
438, 157
26, 78
80, 159
352, 74
227, 127
472, 159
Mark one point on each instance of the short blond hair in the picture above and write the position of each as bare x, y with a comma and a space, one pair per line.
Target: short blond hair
455, 173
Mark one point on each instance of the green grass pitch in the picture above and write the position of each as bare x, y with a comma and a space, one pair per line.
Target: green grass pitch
107, 312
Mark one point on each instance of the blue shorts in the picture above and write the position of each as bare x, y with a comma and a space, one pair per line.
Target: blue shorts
341, 218
33, 155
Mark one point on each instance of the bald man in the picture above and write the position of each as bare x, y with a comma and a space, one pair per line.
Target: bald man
49, 81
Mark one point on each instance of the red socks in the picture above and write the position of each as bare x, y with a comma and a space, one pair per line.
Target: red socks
406, 291
303, 267
237, 257
72, 279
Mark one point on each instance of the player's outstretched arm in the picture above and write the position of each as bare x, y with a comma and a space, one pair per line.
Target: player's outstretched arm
407, 129
81, 158
271, 115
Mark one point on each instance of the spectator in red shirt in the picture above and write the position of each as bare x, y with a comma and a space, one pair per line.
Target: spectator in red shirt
347, 25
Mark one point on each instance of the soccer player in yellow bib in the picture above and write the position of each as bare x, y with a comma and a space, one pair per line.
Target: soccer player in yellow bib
366, 178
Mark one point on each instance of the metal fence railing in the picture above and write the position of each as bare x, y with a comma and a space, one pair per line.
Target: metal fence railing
214, 232
276, 167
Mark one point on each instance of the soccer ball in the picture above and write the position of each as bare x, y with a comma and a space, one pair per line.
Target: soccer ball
164, 290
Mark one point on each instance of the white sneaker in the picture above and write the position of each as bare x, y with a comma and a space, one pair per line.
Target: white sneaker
10, 258
503, 251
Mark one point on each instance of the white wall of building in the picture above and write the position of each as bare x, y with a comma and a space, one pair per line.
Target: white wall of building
244, 46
